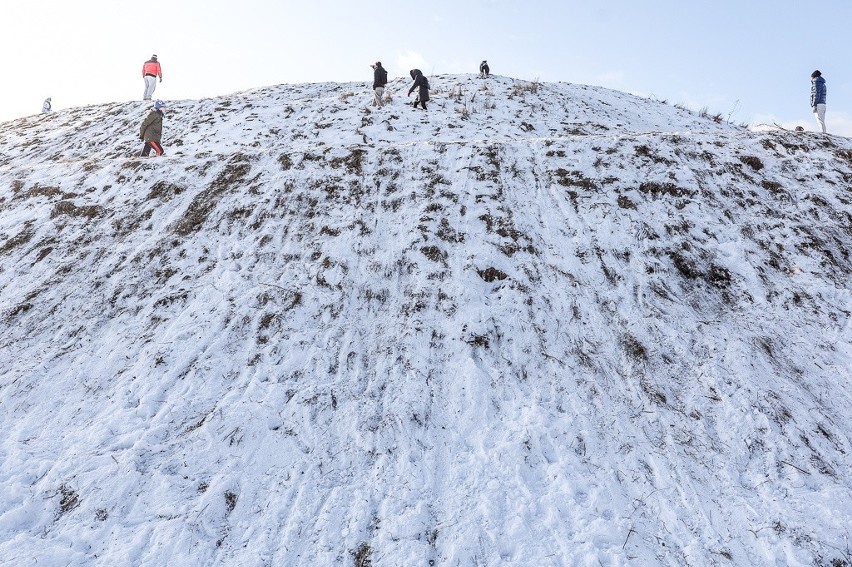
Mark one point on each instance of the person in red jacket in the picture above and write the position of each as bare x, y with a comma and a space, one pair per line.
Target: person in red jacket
150, 71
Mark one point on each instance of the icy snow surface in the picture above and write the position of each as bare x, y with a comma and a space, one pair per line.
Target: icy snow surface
538, 324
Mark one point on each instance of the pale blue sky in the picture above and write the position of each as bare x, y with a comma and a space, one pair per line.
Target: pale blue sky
748, 59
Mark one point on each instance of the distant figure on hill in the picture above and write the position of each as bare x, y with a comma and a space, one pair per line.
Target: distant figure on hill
45, 108
151, 131
818, 92
422, 84
150, 71
484, 70
380, 79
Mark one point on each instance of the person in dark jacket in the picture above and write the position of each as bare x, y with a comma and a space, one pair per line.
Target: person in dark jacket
422, 84
818, 92
380, 79
484, 70
151, 131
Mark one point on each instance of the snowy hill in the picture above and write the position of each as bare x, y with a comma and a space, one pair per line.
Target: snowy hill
538, 324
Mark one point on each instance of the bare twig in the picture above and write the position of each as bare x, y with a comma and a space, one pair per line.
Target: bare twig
795, 467
632, 531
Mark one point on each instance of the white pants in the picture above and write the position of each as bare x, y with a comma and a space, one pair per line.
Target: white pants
820, 116
150, 85
377, 96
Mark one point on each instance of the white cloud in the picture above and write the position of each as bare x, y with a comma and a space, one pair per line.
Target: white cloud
407, 60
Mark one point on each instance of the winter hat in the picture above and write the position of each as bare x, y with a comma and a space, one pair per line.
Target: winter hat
815, 74
153, 57
159, 104
378, 63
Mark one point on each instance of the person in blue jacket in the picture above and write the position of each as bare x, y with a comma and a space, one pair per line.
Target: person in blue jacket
818, 92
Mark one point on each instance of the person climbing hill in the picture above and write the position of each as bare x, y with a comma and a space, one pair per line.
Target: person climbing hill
151, 131
422, 84
380, 79
151, 70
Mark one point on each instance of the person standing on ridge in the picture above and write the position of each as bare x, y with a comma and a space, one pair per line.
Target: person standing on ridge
151, 131
380, 79
484, 70
45, 108
421, 83
150, 71
818, 92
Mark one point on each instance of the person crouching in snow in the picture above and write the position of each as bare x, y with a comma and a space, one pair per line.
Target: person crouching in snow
45, 108
421, 83
152, 130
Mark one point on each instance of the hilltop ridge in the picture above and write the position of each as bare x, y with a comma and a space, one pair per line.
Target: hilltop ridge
538, 324
464, 108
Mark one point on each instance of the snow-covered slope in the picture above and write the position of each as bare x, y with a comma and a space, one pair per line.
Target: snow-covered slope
539, 324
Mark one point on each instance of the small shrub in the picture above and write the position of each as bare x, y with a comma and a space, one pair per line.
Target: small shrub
492, 274
285, 162
634, 348
519, 88
230, 501
434, 253
69, 500
362, 556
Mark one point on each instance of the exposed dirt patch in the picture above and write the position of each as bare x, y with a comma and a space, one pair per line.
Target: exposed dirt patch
206, 201
164, 191
70, 209
574, 179
18, 240
753, 162
669, 189
352, 163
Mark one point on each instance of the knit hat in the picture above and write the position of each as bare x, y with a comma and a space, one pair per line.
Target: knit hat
153, 57
159, 104
815, 74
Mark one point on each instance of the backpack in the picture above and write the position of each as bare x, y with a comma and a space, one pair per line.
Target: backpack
383, 77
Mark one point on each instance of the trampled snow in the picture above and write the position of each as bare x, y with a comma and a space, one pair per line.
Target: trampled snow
538, 324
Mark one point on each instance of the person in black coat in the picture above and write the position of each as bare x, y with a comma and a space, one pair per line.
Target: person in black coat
421, 83
380, 79
484, 70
